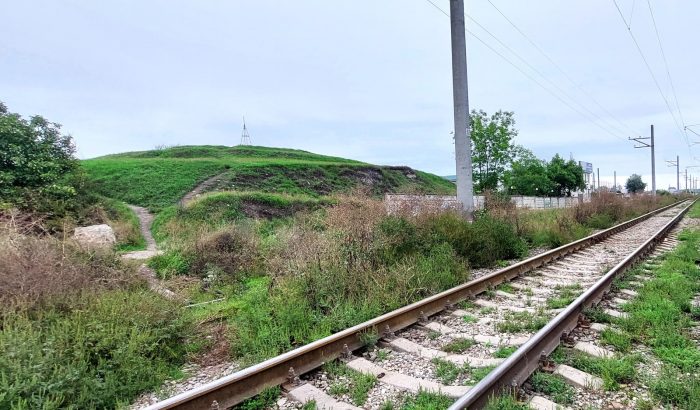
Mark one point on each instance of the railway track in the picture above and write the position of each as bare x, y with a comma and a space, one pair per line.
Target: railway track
469, 343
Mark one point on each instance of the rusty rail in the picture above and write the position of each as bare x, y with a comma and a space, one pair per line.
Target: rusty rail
523, 362
233, 389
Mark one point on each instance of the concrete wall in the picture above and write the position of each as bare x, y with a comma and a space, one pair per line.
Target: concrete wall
434, 203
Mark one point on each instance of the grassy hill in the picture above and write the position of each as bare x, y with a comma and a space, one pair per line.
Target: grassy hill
159, 178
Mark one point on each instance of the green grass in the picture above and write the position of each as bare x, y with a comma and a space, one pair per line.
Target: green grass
505, 402
447, 372
597, 315
264, 400
621, 341
459, 345
152, 183
613, 371
309, 405
159, 178
467, 304
478, 373
126, 225
565, 295
677, 388
506, 287
515, 322
96, 351
225, 208
553, 386
357, 386
427, 401
469, 319
660, 315
504, 351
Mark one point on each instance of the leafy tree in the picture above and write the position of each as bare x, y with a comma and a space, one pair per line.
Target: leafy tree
492, 146
36, 160
635, 184
527, 175
566, 176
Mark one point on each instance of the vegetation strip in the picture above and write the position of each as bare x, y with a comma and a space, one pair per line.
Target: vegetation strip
660, 317
525, 360
234, 388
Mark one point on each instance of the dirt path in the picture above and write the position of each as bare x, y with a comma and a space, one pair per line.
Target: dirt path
145, 222
199, 189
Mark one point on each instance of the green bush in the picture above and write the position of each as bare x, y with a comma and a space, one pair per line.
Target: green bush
600, 221
482, 242
100, 352
34, 160
169, 264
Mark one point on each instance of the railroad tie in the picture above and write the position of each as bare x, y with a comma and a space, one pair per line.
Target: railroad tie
484, 339
599, 327
629, 293
540, 403
404, 382
407, 346
615, 313
577, 378
593, 350
307, 392
489, 304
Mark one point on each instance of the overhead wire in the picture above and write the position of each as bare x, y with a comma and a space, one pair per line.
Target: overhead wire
561, 70
668, 71
651, 72
530, 77
562, 91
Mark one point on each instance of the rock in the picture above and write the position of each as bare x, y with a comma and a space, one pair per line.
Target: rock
95, 236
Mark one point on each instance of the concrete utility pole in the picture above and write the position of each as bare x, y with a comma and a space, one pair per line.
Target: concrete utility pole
644, 144
653, 164
598, 170
678, 171
460, 94
615, 181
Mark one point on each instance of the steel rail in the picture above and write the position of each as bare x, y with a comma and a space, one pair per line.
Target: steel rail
515, 370
235, 388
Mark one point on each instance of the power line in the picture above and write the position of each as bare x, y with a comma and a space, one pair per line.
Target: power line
668, 71
561, 70
646, 63
632, 12
562, 91
530, 77
438, 7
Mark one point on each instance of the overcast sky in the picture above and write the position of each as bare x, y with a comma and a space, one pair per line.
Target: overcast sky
368, 80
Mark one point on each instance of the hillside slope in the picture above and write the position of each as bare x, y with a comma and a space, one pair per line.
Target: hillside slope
159, 178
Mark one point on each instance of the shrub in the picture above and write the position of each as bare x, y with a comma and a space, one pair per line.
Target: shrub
38, 169
34, 270
169, 264
482, 242
97, 351
232, 249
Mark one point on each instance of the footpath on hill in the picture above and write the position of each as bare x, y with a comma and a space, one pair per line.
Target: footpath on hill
145, 222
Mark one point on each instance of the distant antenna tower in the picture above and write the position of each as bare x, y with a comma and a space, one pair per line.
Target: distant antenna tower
245, 137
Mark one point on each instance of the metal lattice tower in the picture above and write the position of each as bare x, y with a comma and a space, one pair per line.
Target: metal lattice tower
245, 137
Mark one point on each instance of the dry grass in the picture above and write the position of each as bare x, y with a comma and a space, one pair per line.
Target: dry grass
35, 269
232, 249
